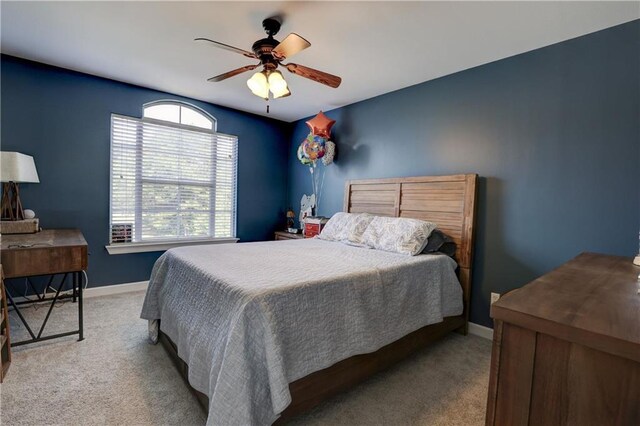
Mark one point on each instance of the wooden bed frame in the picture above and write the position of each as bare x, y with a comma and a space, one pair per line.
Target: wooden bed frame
449, 201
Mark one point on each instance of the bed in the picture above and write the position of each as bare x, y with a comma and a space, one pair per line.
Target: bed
265, 331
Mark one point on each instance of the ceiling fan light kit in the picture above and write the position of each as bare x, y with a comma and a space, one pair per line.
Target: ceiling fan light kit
263, 82
270, 52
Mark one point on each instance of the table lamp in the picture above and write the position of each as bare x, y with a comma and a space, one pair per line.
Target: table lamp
15, 168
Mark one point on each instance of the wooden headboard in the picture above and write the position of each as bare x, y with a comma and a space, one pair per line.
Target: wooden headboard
449, 201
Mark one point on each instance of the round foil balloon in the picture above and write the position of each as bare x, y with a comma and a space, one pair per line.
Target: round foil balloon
313, 147
320, 125
329, 153
302, 157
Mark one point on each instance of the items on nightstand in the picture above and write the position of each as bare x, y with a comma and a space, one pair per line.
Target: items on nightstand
291, 218
291, 221
313, 225
5, 338
284, 235
307, 204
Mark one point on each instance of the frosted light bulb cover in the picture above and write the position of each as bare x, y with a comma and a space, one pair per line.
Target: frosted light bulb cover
278, 85
258, 85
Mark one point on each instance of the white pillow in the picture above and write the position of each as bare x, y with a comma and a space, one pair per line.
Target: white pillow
398, 234
346, 227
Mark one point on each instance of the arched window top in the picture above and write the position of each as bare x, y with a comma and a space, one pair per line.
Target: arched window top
179, 113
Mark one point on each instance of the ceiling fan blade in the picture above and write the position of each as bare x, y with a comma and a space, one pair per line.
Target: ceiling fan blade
315, 75
232, 73
291, 45
227, 47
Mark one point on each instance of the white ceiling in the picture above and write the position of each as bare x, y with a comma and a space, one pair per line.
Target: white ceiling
375, 47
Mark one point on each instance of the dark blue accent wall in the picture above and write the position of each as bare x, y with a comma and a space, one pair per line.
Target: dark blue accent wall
553, 133
62, 118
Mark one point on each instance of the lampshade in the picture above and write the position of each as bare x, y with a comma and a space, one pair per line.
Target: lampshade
259, 85
17, 167
277, 85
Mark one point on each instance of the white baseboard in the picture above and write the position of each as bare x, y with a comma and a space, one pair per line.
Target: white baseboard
108, 290
480, 331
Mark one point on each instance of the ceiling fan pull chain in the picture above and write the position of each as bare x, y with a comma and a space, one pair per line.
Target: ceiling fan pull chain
267, 107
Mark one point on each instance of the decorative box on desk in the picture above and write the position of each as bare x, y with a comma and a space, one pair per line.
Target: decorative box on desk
26, 226
313, 226
566, 347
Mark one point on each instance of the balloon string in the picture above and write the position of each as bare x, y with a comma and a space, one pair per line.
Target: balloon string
313, 182
315, 176
317, 183
321, 187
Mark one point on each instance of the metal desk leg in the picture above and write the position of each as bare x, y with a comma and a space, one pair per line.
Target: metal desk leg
78, 280
53, 301
53, 304
24, 321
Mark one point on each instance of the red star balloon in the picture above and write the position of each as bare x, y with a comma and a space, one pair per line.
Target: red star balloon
320, 125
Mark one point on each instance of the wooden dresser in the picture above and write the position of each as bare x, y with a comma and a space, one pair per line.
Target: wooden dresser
566, 347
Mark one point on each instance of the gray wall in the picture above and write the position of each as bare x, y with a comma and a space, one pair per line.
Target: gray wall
62, 118
553, 133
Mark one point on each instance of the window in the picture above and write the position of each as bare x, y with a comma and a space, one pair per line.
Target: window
179, 113
173, 178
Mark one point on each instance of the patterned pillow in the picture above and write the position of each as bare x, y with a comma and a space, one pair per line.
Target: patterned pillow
355, 228
346, 227
398, 234
333, 228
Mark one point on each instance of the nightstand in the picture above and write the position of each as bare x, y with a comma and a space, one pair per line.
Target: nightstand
284, 235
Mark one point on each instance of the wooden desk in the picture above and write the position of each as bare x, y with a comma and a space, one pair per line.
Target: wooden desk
566, 347
50, 252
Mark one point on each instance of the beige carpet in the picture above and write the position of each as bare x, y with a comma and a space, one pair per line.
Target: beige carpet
115, 377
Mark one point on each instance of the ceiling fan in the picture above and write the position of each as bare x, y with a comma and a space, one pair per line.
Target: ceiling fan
271, 53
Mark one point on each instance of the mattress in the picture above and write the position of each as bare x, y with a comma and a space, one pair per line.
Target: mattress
251, 318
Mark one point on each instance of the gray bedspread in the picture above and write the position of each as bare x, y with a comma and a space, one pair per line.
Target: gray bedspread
250, 318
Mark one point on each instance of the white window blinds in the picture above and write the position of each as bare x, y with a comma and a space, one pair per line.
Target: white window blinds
171, 182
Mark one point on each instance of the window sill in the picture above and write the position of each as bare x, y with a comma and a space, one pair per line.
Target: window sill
126, 248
